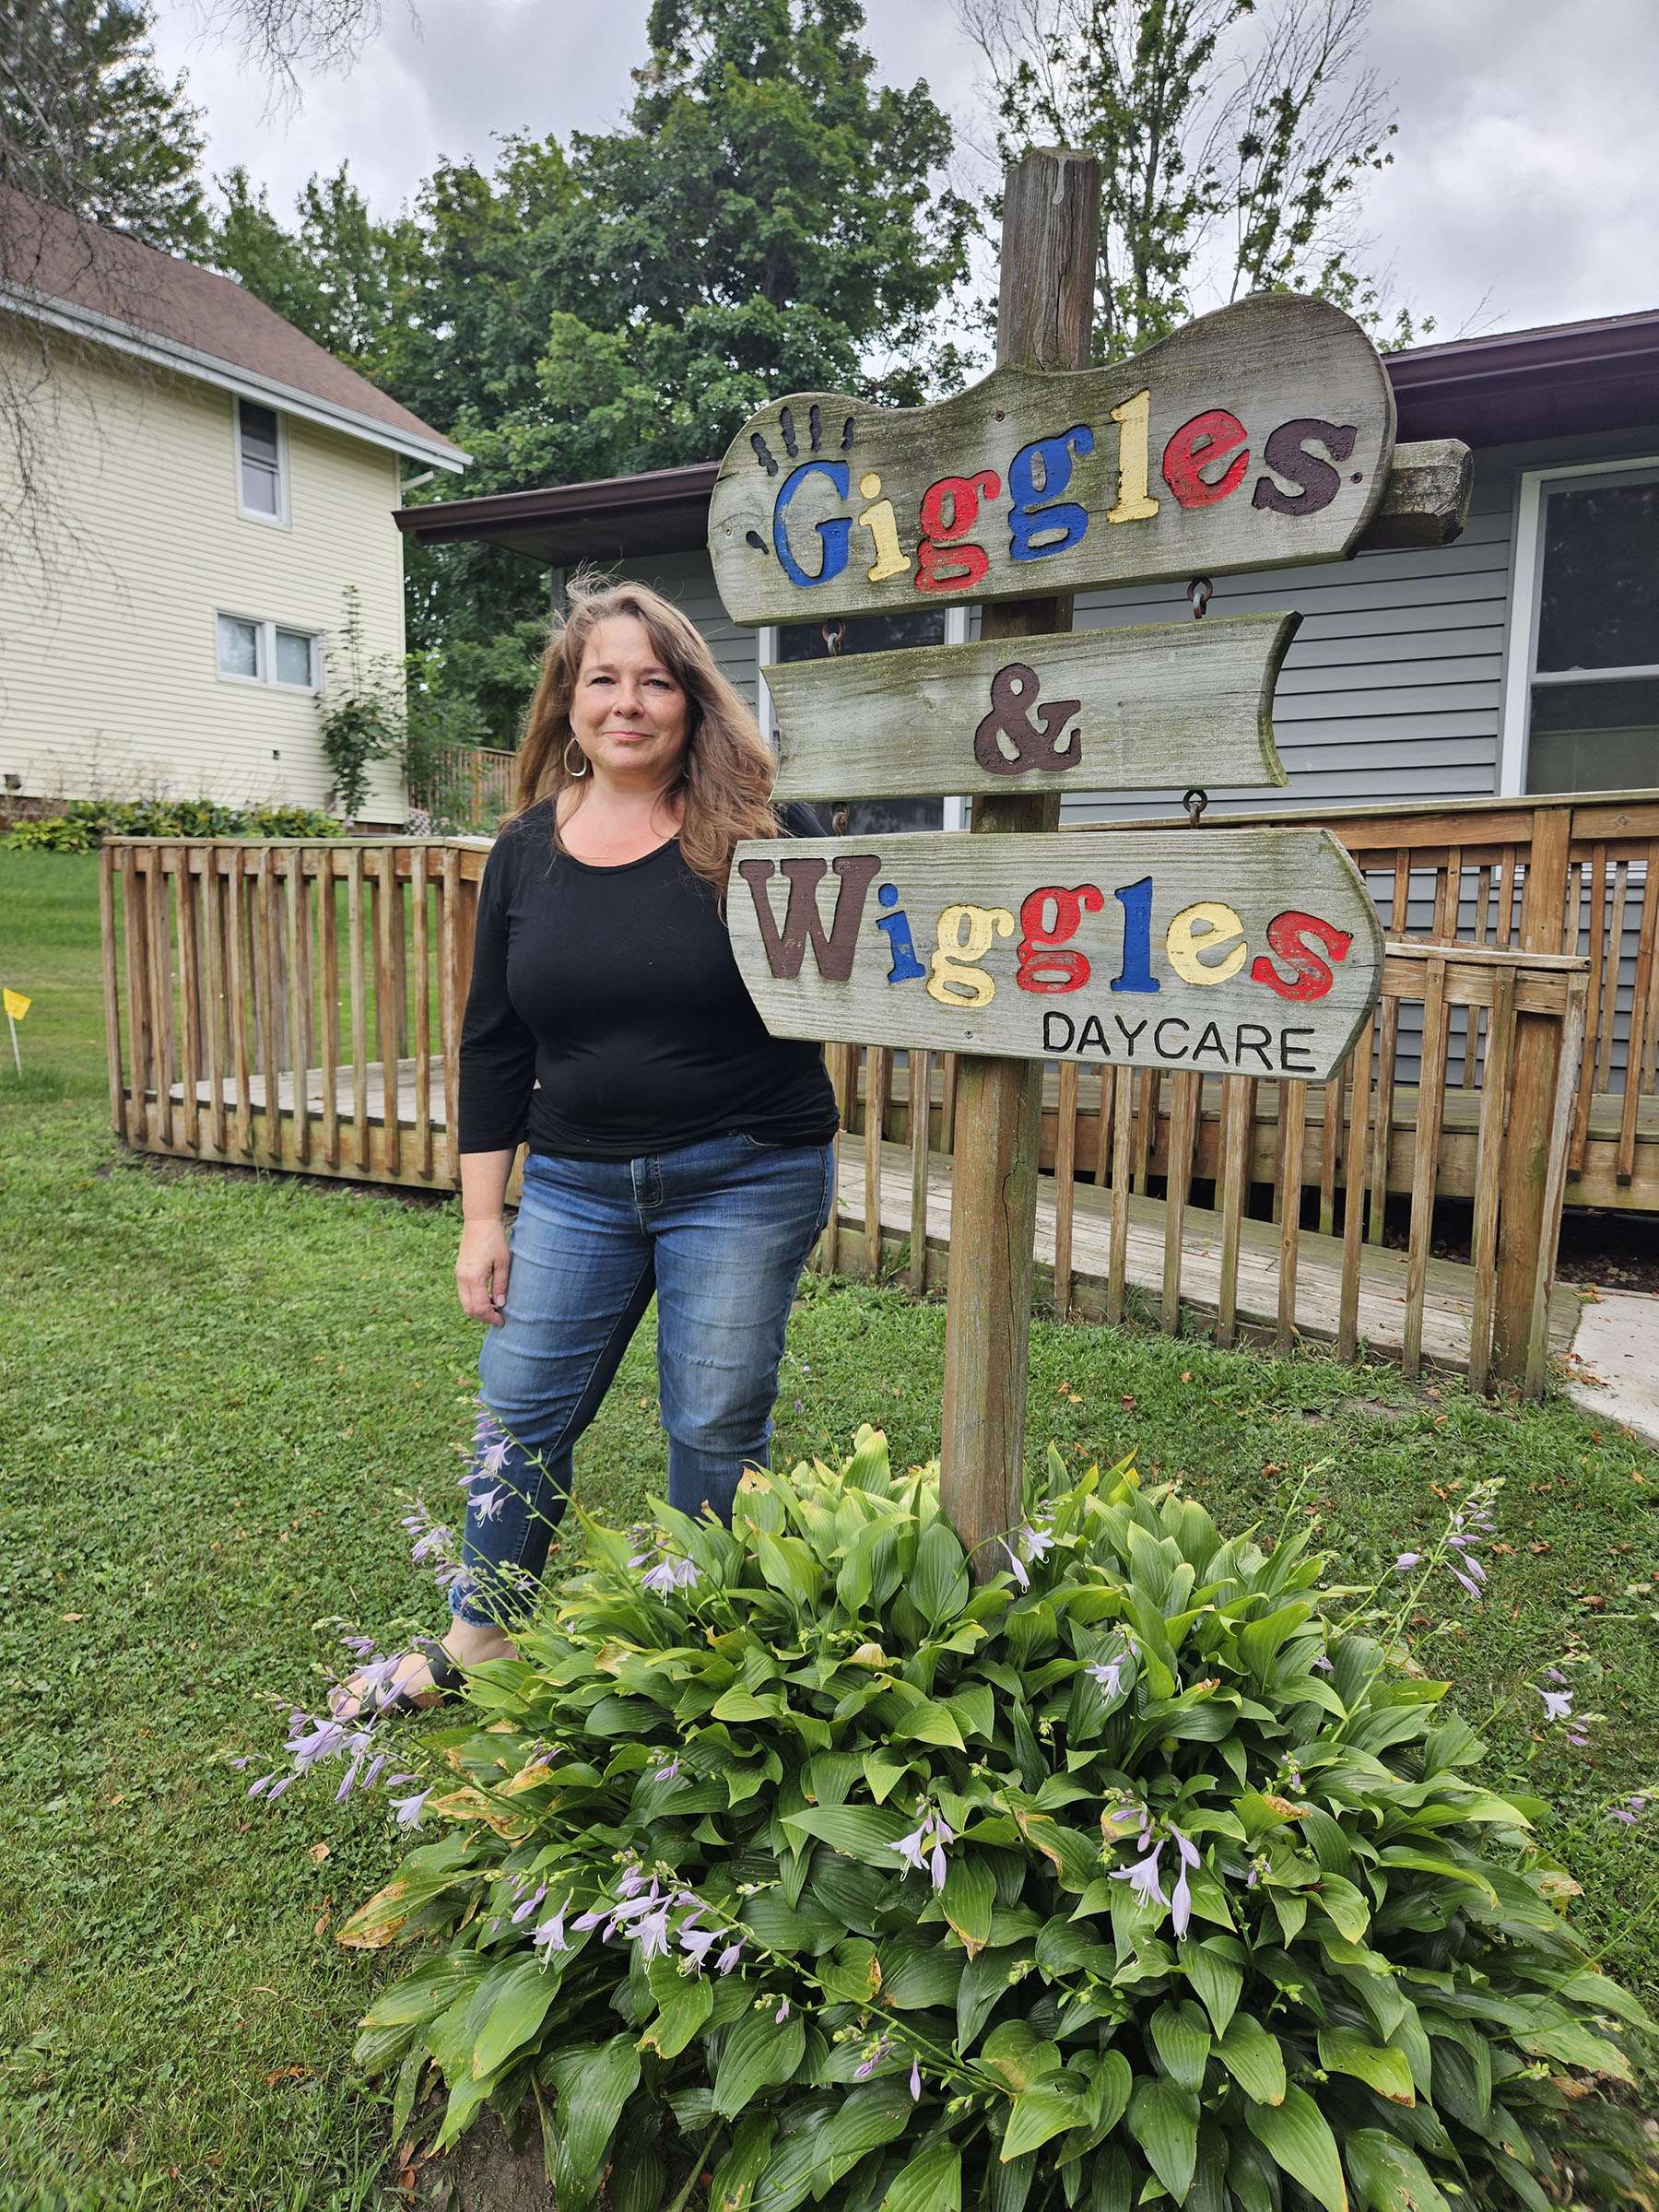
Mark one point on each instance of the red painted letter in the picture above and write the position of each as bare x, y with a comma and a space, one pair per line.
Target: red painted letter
1042, 968
1199, 445
1288, 933
966, 564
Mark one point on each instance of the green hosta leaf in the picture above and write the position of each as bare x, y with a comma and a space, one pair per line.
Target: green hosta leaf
1049, 2107
1345, 2050
408, 2087
1387, 2176
1259, 1639
1217, 1978
1252, 2056
759, 2053
871, 2114
931, 2183
929, 1723
1181, 2036
593, 2085
518, 2005
1601, 1994
985, 1980
1163, 2119
915, 1980
1296, 2134
850, 1974
1576, 2047
867, 1832
1018, 2055
940, 1584
1007, 2186
969, 1894
806, 1926
685, 2002
1346, 1905
635, 2181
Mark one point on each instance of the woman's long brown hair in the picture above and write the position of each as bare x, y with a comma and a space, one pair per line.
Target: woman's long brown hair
728, 771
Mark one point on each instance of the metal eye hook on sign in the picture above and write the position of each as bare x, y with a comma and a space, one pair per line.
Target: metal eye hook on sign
1195, 801
1200, 592
834, 635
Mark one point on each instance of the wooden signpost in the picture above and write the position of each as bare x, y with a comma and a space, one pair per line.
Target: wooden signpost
1257, 438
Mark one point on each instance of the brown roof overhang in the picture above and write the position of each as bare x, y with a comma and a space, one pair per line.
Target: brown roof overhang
1520, 385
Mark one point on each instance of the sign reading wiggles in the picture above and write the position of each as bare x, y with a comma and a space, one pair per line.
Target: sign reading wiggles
1254, 438
1252, 952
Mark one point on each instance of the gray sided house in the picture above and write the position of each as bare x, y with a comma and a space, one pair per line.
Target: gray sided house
1523, 659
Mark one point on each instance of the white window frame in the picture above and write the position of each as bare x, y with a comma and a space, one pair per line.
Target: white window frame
268, 680
281, 519
1526, 591
766, 654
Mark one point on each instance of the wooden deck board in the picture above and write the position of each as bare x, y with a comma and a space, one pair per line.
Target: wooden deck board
1447, 1301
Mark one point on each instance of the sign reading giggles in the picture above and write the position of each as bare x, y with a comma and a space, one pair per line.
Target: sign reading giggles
1254, 438
1252, 952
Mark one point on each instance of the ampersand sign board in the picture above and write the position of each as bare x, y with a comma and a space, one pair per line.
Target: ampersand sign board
1251, 951
1113, 710
1255, 438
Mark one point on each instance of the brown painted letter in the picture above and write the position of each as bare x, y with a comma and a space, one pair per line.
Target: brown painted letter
802, 920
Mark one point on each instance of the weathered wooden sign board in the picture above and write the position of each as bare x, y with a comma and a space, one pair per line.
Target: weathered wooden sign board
1250, 952
1254, 438
1113, 710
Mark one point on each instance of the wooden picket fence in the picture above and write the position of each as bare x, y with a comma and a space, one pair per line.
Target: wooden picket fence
1238, 1256
466, 785
297, 1004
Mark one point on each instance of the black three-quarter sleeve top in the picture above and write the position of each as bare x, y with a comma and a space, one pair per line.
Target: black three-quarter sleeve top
606, 1018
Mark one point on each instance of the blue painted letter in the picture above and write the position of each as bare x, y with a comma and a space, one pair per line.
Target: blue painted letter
905, 966
1136, 971
834, 533
1065, 515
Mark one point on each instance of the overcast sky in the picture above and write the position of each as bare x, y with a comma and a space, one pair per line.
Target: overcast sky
1524, 174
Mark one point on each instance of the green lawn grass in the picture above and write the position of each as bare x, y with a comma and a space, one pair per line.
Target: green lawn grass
217, 1390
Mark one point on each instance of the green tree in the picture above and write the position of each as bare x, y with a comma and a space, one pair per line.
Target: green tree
88, 122
338, 275
1231, 148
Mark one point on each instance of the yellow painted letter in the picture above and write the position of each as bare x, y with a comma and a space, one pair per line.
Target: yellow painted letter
1133, 502
965, 933
1206, 929
883, 526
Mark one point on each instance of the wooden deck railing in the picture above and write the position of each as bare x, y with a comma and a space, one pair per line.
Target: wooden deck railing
1101, 1239
289, 1005
297, 1005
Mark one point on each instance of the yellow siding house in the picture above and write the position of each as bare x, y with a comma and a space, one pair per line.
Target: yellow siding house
189, 486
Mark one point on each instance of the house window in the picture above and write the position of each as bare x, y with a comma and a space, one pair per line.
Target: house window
879, 633
269, 652
1592, 721
262, 470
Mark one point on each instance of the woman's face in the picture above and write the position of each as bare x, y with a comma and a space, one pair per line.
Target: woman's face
630, 716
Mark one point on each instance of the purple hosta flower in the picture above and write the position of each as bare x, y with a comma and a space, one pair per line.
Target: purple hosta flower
668, 1772
1322, 1663
1577, 1738
1407, 1561
486, 1505
259, 1788
358, 1646
672, 1570
1181, 1897
1015, 1561
1558, 1703
550, 1937
782, 2012
1142, 1878
881, 2048
451, 1574
524, 1912
915, 2081
632, 1882
1630, 1811
1554, 1674
1108, 1672
927, 1842
408, 1809
1473, 1579
696, 1943
321, 1740
1039, 1542
653, 1933
357, 1745
729, 1956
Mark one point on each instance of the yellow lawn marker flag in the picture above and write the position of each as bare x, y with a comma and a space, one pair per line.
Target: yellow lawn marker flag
17, 1005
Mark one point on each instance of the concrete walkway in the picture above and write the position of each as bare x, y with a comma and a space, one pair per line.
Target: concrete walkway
1612, 1369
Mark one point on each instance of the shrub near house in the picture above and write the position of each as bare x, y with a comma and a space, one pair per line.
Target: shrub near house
1143, 1870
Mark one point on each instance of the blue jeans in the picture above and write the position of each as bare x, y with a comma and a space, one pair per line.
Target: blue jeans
720, 1232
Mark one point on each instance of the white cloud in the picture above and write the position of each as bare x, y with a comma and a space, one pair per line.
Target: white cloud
1524, 173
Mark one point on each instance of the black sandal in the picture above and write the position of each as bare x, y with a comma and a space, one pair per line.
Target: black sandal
447, 1679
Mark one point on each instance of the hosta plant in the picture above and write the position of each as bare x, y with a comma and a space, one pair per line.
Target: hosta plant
791, 1856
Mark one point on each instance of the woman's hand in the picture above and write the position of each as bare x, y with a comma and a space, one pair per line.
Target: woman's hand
481, 1271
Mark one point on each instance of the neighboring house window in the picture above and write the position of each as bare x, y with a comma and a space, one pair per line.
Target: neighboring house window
268, 652
1583, 707
262, 463
879, 633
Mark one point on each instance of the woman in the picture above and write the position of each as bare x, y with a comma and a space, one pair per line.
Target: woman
675, 1148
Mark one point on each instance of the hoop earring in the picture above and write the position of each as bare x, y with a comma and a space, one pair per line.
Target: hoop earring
575, 774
